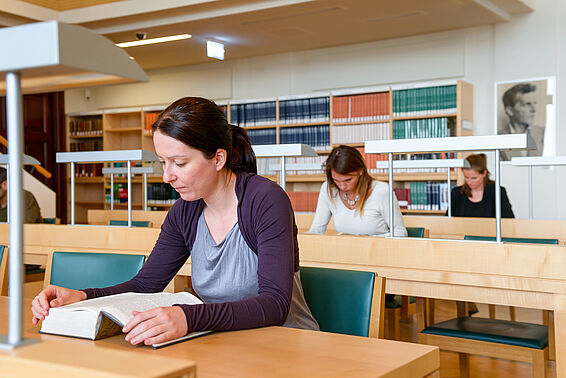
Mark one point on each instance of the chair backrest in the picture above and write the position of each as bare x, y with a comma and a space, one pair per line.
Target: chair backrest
3, 270
81, 270
417, 232
52, 220
512, 240
116, 222
345, 301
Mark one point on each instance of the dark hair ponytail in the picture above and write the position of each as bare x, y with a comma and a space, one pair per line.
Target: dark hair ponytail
201, 124
243, 157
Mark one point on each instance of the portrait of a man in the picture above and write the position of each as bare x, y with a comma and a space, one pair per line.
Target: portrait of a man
522, 108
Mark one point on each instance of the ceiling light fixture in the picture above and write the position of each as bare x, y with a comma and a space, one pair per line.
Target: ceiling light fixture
215, 50
154, 40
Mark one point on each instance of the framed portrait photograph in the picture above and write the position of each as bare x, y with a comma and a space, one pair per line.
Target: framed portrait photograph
527, 106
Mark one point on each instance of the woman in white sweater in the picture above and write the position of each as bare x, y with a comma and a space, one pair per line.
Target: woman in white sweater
359, 204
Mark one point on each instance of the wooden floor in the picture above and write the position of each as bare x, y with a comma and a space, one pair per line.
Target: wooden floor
480, 367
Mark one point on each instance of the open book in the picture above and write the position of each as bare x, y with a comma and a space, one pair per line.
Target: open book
102, 317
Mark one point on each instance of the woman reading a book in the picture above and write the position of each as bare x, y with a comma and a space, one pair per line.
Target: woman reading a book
476, 198
238, 228
359, 204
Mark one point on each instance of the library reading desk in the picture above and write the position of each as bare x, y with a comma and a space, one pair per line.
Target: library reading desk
274, 351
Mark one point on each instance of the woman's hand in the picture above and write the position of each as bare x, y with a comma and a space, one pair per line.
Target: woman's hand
156, 325
53, 296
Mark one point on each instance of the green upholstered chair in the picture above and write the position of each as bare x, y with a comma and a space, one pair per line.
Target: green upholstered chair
3, 270
512, 240
115, 222
81, 270
345, 301
400, 307
497, 338
417, 232
52, 220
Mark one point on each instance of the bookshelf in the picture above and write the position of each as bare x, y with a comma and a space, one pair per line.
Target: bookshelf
106, 130
320, 120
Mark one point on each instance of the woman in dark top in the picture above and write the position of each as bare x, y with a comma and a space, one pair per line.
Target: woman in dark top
238, 228
476, 198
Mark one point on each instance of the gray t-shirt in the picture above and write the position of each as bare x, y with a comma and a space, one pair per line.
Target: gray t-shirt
227, 272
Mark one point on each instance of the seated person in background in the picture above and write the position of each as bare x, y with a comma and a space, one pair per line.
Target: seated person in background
359, 204
237, 227
32, 212
476, 198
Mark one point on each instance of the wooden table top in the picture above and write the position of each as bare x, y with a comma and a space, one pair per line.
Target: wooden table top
274, 351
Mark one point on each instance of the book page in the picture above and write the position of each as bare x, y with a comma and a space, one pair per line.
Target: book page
119, 307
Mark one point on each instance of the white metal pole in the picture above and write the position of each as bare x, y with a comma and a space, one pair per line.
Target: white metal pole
130, 194
145, 191
282, 173
72, 192
497, 196
531, 192
15, 158
391, 212
111, 191
449, 194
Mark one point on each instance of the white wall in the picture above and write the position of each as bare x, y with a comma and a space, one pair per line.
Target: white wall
528, 46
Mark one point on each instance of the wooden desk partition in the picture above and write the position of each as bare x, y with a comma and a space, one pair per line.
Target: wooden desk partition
40, 240
270, 351
457, 227
103, 217
523, 275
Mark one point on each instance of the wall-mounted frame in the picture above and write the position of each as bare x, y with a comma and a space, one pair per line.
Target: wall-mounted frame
527, 106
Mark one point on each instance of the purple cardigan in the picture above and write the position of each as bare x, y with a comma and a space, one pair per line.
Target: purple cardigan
267, 224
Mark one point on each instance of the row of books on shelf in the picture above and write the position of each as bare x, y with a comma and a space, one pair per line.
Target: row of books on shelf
86, 145
303, 201
86, 127
424, 128
304, 110
360, 108
88, 170
157, 193
431, 195
263, 136
254, 114
266, 166
150, 118
318, 137
162, 194
294, 111
353, 134
425, 101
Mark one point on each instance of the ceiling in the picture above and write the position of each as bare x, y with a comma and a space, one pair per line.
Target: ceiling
258, 27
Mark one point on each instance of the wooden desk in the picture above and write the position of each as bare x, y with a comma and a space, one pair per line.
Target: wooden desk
522, 275
277, 352
457, 227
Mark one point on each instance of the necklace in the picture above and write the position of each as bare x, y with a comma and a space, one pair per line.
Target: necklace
349, 201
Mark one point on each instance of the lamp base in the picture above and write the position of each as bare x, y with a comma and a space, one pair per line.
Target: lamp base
4, 345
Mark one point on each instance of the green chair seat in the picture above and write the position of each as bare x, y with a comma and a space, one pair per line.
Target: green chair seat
340, 300
50, 220
493, 330
512, 240
415, 232
115, 222
81, 270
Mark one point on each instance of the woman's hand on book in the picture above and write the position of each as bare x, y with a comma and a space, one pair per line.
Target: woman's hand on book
156, 325
53, 296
